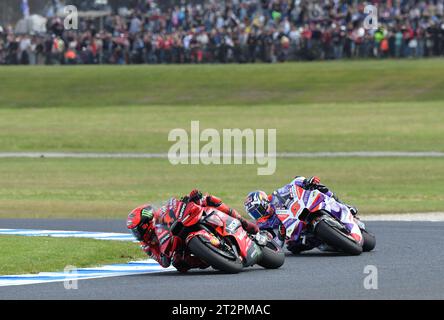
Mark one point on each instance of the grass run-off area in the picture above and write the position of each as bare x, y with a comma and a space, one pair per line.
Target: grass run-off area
222, 85
22, 255
315, 107
110, 188
399, 126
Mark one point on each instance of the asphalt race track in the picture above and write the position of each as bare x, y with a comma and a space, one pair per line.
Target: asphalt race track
409, 258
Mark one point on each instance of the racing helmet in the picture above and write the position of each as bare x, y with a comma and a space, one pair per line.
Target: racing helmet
257, 204
140, 221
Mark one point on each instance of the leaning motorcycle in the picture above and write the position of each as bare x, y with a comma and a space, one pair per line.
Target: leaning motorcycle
314, 219
214, 237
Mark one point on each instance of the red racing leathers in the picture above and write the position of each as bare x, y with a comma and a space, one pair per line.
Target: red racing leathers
183, 261
208, 200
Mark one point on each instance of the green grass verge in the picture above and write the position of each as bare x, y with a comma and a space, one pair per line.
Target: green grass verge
22, 255
335, 106
411, 126
290, 83
110, 188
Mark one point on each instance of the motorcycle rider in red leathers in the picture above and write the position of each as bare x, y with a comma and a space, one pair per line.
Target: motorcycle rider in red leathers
142, 220
208, 200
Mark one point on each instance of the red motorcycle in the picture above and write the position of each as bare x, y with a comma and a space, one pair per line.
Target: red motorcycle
214, 237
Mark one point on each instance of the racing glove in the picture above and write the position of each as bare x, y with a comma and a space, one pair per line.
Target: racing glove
195, 195
248, 226
353, 210
311, 183
185, 199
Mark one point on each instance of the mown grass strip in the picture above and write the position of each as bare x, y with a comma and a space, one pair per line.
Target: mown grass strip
22, 255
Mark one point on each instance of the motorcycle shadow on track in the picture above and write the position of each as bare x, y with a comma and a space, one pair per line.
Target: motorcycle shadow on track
203, 272
315, 254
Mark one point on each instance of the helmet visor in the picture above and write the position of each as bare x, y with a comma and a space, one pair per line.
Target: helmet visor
255, 213
138, 233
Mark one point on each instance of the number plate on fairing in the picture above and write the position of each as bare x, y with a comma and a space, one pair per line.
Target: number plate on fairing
290, 217
289, 221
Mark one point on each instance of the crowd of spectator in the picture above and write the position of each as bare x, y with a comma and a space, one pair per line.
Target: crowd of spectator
239, 31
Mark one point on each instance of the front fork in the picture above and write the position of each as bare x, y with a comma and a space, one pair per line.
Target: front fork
254, 252
360, 224
259, 240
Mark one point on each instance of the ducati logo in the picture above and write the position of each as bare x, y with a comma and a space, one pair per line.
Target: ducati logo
182, 210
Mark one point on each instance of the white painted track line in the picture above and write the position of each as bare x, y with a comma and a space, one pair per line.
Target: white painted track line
129, 155
427, 216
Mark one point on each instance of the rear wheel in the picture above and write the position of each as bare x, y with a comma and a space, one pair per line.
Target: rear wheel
214, 256
273, 256
337, 239
369, 241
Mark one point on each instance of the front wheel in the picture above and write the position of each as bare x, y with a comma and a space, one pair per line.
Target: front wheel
337, 239
273, 256
212, 255
369, 241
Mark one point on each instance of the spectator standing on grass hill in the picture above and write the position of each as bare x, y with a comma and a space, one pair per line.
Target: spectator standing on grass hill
242, 31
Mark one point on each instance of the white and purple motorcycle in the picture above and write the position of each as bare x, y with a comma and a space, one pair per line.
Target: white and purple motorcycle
312, 219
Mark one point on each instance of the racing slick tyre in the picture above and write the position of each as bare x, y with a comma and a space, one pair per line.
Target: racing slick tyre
206, 252
273, 256
337, 239
369, 241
